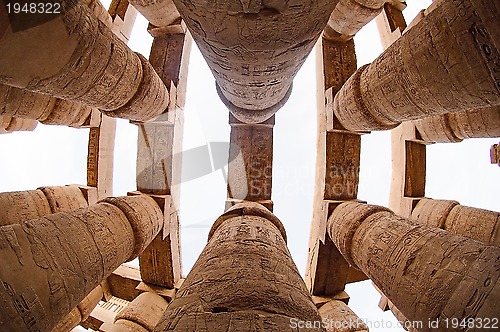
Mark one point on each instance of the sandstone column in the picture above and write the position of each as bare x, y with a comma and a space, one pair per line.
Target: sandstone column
9, 124
25, 104
19, 206
338, 317
81, 312
244, 279
142, 314
456, 126
50, 264
426, 272
349, 16
255, 48
477, 224
160, 13
74, 56
452, 69
495, 154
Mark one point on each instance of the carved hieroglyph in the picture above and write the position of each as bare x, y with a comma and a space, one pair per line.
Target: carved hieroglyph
254, 48
445, 63
50, 264
244, 280
428, 273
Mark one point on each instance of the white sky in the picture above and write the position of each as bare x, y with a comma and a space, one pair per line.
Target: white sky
53, 155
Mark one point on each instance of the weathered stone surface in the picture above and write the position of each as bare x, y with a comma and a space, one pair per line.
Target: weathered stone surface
426, 272
25, 104
456, 126
349, 16
64, 198
453, 69
19, 206
158, 12
433, 212
150, 100
145, 310
478, 224
66, 255
76, 57
338, 317
250, 160
244, 279
254, 49
81, 312
145, 217
495, 154
69, 322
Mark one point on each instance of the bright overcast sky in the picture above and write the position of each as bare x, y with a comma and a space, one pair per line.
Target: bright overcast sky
53, 155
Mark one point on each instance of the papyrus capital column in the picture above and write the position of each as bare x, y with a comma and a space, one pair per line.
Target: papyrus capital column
426, 272
244, 279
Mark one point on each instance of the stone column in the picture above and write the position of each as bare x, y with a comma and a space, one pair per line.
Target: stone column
50, 264
338, 317
255, 48
142, 314
428, 273
25, 104
74, 56
349, 16
457, 126
20, 206
445, 63
477, 224
160, 13
9, 124
81, 312
244, 279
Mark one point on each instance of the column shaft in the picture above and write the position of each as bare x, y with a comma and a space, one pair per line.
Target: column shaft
426, 272
452, 69
456, 126
244, 279
75, 56
349, 16
338, 317
254, 49
477, 224
25, 104
52, 263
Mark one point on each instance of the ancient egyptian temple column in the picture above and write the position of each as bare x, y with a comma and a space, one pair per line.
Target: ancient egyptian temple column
50, 264
457, 126
478, 224
255, 48
244, 280
25, 104
428, 273
140, 315
74, 56
445, 63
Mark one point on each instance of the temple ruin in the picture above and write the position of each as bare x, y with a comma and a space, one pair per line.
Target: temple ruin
64, 248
